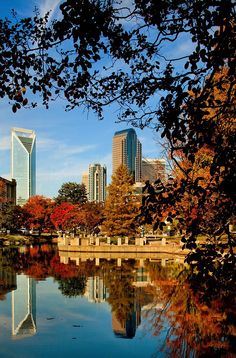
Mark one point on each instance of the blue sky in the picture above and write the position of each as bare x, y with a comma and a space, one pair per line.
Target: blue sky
67, 142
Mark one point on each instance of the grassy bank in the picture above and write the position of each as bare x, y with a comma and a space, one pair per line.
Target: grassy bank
18, 239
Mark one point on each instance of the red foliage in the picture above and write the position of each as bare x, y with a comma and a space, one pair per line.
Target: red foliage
60, 213
60, 270
39, 209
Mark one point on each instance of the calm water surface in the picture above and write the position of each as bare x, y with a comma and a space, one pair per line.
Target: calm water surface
52, 306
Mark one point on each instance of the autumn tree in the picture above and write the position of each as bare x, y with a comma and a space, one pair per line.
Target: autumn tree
121, 205
71, 192
59, 214
91, 216
39, 209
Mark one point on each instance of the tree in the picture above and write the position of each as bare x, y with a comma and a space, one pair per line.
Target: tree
73, 193
39, 209
121, 206
59, 214
12, 217
91, 215
6, 215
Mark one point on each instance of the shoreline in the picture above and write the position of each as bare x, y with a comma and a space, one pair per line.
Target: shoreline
124, 249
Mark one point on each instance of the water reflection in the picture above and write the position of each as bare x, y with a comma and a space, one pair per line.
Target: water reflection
24, 307
152, 293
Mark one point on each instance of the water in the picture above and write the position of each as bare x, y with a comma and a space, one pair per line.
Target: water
55, 307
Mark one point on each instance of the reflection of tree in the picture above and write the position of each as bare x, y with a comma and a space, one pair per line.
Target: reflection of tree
194, 327
72, 287
71, 278
119, 281
36, 261
125, 299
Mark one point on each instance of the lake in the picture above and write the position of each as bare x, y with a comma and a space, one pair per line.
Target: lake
108, 308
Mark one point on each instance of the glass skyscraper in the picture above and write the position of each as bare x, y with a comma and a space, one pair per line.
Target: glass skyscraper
127, 150
23, 163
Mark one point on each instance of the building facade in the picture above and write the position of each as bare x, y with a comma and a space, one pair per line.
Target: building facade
7, 190
153, 169
85, 181
127, 150
97, 182
23, 163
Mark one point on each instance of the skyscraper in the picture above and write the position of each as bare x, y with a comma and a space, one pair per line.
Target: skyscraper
23, 163
127, 150
97, 182
85, 181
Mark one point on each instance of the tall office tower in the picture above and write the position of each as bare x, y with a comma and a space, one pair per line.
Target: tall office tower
85, 181
127, 150
153, 169
23, 163
24, 307
97, 182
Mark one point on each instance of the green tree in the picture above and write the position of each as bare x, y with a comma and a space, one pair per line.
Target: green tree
71, 192
7, 215
121, 206
12, 217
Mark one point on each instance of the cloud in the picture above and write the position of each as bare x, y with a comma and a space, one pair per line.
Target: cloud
72, 150
63, 172
46, 143
185, 48
59, 149
49, 5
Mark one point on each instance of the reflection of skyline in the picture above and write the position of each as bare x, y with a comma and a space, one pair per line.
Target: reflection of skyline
127, 285
127, 328
124, 323
7, 280
96, 290
24, 307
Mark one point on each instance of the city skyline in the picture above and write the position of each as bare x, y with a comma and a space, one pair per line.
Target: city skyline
67, 142
6, 147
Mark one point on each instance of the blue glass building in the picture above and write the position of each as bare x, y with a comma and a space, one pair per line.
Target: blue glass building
23, 163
